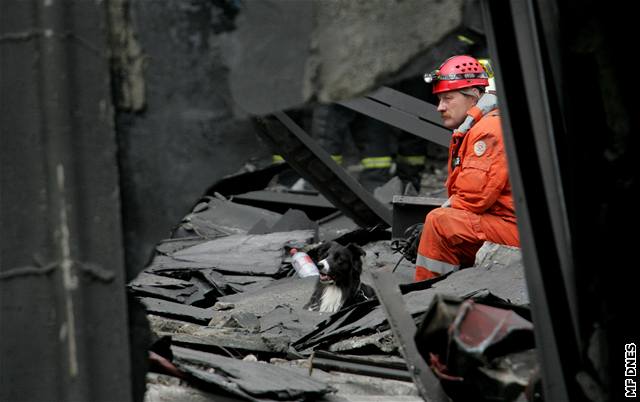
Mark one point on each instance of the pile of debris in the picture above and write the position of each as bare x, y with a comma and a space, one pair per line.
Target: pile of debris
226, 312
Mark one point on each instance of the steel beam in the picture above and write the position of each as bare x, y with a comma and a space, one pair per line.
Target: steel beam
403, 111
530, 123
315, 165
404, 331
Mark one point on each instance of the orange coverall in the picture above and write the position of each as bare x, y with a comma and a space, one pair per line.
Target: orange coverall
481, 201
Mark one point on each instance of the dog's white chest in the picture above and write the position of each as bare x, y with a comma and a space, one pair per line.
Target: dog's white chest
331, 299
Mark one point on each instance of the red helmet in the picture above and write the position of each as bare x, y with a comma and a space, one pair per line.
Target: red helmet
458, 72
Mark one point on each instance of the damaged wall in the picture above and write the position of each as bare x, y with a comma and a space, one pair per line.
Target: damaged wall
63, 317
327, 51
175, 129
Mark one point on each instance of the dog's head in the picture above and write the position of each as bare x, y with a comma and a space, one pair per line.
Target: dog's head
339, 264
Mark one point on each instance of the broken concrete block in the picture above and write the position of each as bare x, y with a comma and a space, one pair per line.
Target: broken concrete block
223, 306
492, 253
246, 321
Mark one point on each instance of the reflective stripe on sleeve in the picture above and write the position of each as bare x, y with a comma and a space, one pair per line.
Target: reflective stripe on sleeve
435, 265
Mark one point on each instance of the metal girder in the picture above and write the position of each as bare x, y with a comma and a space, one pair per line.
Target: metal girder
403, 111
404, 331
530, 123
315, 165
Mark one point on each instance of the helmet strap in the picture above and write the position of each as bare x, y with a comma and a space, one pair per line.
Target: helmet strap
471, 92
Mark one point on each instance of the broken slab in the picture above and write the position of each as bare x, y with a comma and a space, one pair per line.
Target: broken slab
243, 254
381, 367
216, 217
355, 387
164, 388
387, 191
278, 307
247, 283
159, 324
248, 379
382, 341
162, 287
293, 219
168, 246
380, 256
176, 310
349, 388
291, 292
334, 226
498, 269
227, 338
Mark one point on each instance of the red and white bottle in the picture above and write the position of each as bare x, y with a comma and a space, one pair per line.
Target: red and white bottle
303, 264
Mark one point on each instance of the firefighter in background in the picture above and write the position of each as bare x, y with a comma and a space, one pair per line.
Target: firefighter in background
330, 126
410, 158
480, 204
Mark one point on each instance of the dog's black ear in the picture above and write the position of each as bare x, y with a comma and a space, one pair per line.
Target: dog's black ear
356, 260
356, 250
320, 252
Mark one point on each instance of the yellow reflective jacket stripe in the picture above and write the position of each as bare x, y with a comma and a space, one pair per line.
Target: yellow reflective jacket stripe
378, 162
414, 160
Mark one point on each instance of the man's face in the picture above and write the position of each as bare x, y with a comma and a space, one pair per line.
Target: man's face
453, 108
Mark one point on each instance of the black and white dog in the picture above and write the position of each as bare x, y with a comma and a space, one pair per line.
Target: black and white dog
339, 282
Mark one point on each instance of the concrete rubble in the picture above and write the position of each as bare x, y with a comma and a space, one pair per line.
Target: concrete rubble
217, 295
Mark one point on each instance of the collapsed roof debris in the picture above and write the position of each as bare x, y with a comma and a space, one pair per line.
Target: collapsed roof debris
224, 286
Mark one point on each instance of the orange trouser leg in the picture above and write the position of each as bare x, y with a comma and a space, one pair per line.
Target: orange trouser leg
451, 237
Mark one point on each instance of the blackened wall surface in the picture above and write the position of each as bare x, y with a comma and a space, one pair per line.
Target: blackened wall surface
63, 321
184, 137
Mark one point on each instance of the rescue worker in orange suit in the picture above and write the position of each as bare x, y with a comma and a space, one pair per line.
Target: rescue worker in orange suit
480, 204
